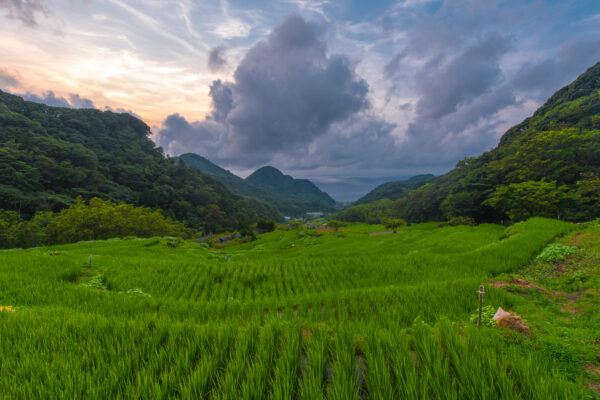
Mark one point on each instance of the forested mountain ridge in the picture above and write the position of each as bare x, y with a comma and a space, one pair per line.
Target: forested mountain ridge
51, 155
290, 196
548, 165
394, 190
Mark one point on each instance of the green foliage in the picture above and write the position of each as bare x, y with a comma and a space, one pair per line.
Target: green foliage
456, 221
336, 224
95, 220
265, 226
394, 190
372, 213
49, 156
394, 223
554, 253
487, 315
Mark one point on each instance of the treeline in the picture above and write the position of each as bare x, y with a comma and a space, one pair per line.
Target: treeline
548, 166
49, 156
99, 219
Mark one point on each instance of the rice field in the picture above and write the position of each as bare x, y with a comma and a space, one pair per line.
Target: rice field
346, 315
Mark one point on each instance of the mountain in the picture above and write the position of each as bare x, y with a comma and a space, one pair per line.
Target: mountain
289, 196
548, 165
51, 155
394, 190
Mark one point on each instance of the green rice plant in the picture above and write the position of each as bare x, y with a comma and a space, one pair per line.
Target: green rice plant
287, 367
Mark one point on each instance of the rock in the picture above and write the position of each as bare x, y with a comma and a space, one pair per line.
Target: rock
499, 314
512, 321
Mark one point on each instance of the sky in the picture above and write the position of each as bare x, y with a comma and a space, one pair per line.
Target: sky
346, 93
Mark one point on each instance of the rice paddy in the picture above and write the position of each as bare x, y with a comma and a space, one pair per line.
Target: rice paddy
341, 315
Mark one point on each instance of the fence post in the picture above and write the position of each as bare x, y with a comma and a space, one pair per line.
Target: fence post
90, 261
481, 292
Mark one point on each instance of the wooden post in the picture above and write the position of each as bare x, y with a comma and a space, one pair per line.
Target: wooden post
90, 261
481, 292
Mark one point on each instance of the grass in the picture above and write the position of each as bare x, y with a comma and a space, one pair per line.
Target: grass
292, 315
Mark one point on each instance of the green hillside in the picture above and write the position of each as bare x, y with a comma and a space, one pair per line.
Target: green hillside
289, 196
548, 165
345, 315
51, 155
394, 190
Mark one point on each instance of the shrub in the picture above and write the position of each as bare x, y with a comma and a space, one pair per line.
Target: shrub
555, 252
456, 221
265, 226
487, 315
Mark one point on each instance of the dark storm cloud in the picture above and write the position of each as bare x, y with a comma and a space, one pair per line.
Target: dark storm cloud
23, 10
216, 59
455, 95
460, 86
50, 99
540, 79
286, 93
445, 85
7, 80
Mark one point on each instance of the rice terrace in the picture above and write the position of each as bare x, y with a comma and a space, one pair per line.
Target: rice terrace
341, 315
298, 200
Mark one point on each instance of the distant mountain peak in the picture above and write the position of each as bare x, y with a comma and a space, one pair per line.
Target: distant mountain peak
290, 196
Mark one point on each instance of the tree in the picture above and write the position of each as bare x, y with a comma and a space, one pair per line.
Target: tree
394, 223
520, 201
336, 224
295, 224
265, 226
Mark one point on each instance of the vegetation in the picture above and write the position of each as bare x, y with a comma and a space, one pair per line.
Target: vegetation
376, 212
336, 224
289, 196
548, 165
288, 315
49, 156
456, 221
265, 226
95, 220
394, 224
394, 190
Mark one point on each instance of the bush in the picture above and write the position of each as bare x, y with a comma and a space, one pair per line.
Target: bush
265, 226
456, 221
555, 252
487, 315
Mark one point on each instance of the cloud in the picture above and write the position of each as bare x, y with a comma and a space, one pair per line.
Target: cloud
451, 64
286, 93
77, 101
216, 59
50, 99
122, 111
540, 79
24, 10
445, 85
8, 80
